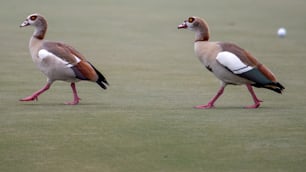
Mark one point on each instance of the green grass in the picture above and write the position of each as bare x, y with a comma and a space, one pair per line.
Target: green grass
145, 120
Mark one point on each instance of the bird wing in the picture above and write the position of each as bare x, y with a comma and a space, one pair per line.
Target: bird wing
73, 59
63, 51
246, 59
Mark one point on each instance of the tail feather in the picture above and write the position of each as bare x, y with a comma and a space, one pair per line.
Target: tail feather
102, 82
274, 86
261, 81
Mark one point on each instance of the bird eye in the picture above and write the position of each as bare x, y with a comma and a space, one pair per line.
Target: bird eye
190, 19
33, 18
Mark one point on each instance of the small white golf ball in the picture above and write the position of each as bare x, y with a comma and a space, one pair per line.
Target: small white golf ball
281, 32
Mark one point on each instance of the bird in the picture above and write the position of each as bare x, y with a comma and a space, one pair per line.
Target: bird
58, 61
230, 63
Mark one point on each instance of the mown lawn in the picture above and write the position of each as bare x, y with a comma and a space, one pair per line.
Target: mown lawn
145, 120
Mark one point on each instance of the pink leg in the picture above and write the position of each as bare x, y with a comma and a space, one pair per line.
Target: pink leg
35, 95
76, 98
210, 104
255, 99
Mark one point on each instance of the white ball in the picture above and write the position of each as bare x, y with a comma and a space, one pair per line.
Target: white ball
281, 32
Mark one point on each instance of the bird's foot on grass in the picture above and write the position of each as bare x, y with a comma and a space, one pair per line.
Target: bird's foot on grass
206, 106
254, 106
30, 98
74, 102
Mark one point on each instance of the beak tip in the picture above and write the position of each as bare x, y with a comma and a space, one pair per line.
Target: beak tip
24, 24
181, 26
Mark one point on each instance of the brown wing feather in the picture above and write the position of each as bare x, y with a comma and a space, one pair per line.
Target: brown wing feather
87, 71
63, 51
247, 58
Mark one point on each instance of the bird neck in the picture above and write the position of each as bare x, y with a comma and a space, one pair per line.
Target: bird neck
202, 31
40, 32
201, 35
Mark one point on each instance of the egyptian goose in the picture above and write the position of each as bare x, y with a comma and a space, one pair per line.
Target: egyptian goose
58, 61
229, 63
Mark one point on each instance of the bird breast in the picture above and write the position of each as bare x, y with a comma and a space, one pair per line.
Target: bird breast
206, 52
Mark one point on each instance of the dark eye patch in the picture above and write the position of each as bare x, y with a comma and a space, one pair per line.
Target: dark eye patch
190, 19
33, 18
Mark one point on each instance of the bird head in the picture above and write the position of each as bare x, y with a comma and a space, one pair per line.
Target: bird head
191, 23
34, 20
197, 25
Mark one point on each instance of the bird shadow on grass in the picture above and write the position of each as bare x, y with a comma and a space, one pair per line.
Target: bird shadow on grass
62, 104
239, 108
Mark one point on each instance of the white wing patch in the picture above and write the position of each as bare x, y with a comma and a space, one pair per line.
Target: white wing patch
77, 59
232, 62
43, 53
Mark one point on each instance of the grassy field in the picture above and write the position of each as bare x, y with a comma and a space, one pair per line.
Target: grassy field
145, 121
